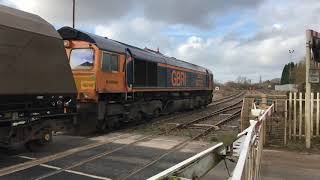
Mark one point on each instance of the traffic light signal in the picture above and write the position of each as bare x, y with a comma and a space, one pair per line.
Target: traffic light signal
316, 48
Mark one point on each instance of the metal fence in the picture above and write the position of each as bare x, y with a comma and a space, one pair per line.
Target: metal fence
295, 116
247, 149
249, 162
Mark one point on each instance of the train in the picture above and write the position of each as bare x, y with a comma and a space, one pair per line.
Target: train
117, 82
71, 80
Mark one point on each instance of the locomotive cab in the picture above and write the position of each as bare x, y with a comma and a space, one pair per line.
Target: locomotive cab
82, 62
95, 71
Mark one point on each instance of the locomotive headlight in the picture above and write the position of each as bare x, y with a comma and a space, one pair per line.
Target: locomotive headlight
66, 43
83, 96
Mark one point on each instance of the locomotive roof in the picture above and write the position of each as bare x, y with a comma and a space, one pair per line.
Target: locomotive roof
104, 43
20, 20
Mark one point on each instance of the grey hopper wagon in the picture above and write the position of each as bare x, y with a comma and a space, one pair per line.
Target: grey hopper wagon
37, 89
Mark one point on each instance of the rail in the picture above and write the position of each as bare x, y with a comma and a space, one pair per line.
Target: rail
227, 99
248, 148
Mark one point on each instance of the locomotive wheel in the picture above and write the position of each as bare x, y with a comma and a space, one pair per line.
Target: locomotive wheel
102, 127
156, 113
139, 117
113, 123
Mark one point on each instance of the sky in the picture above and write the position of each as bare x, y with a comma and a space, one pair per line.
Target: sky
232, 38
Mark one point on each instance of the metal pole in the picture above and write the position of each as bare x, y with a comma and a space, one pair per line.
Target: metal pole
308, 90
73, 13
290, 69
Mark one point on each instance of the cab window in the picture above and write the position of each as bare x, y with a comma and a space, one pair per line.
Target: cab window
81, 59
110, 62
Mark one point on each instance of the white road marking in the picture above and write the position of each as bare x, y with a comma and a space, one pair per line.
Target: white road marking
26, 157
88, 175
69, 171
50, 167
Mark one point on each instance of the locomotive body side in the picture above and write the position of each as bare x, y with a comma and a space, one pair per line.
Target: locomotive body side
117, 82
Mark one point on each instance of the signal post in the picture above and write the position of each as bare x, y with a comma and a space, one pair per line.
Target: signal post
312, 76
308, 90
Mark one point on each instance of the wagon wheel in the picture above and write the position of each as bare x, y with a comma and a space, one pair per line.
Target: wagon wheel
37, 144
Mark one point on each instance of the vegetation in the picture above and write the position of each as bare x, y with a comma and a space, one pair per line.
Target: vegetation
288, 71
294, 74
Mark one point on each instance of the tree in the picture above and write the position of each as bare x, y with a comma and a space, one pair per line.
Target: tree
288, 73
285, 75
300, 74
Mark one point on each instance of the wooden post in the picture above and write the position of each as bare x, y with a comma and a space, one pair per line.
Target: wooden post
290, 115
294, 115
318, 111
305, 118
285, 121
311, 114
300, 115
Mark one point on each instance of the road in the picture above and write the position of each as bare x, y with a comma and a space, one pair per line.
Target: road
283, 165
123, 156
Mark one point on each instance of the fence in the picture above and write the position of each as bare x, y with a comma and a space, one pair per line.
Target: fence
247, 148
295, 115
248, 165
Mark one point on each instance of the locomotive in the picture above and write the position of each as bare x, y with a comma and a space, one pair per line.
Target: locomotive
37, 91
117, 82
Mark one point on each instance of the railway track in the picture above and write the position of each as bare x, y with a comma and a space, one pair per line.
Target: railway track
217, 112
184, 143
173, 149
167, 118
228, 98
44, 160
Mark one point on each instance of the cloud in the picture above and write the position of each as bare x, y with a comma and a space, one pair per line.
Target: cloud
139, 32
228, 60
87, 12
232, 38
187, 12
192, 12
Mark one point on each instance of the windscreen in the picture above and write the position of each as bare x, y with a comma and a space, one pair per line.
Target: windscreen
82, 59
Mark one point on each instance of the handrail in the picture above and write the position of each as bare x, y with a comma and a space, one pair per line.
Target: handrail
254, 133
175, 169
248, 164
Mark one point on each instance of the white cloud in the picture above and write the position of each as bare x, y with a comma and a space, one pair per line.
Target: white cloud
139, 32
87, 12
280, 26
229, 60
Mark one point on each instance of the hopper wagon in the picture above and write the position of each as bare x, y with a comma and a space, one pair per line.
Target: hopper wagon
37, 89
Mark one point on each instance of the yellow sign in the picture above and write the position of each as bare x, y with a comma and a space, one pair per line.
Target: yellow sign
86, 85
